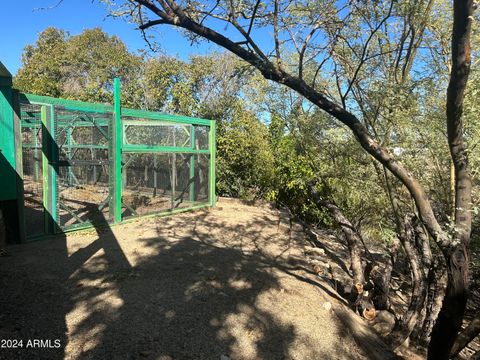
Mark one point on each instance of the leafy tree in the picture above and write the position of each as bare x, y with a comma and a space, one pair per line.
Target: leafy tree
79, 67
41, 72
245, 162
343, 45
82, 68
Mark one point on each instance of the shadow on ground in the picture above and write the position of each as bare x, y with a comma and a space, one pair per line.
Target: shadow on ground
191, 287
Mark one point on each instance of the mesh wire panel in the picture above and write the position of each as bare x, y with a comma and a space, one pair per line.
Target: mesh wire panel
83, 170
142, 132
201, 137
32, 168
160, 182
152, 181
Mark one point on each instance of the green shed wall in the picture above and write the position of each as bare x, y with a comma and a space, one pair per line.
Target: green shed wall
8, 189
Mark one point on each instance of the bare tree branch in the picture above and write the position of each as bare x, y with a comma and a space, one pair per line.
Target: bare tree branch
364, 51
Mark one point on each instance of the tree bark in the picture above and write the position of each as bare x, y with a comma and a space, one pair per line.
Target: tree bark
422, 244
450, 318
382, 277
354, 242
475, 356
171, 13
455, 252
405, 326
364, 335
466, 336
434, 305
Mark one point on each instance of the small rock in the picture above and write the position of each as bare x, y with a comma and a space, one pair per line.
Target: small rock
145, 353
224, 357
170, 314
314, 251
384, 322
327, 306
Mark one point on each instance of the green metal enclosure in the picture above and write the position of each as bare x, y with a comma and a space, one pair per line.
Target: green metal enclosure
83, 164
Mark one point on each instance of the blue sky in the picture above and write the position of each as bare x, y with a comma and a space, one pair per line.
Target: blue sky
21, 24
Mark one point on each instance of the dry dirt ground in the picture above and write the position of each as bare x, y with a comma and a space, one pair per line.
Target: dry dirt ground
227, 283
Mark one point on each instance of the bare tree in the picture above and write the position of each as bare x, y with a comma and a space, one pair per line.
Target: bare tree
299, 23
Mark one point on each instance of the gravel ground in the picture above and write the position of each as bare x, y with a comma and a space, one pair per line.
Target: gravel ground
227, 283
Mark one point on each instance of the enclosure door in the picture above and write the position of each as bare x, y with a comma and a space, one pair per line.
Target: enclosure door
83, 168
36, 220
66, 168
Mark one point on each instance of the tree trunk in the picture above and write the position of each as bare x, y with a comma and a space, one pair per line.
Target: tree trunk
354, 242
434, 304
173, 15
450, 317
422, 244
382, 277
405, 326
382, 280
475, 356
455, 251
466, 336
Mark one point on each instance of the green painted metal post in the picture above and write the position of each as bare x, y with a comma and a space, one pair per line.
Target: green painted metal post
117, 153
192, 165
212, 145
36, 163
45, 182
69, 155
49, 168
53, 170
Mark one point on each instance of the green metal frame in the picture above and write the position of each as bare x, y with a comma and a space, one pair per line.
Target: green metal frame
117, 146
117, 153
103, 108
49, 169
213, 151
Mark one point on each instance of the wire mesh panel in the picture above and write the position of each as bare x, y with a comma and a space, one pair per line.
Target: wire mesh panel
83, 167
201, 179
201, 137
162, 169
86, 164
141, 132
31, 126
155, 182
